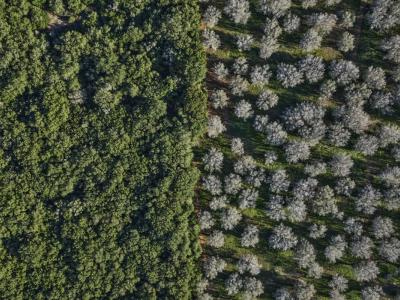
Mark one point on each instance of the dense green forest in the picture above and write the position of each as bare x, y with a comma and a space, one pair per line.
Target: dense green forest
100, 105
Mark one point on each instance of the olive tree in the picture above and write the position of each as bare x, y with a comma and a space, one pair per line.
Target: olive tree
383, 102
211, 39
353, 117
206, 220
315, 169
353, 227
305, 254
308, 3
248, 263
375, 78
325, 202
296, 151
368, 200
247, 198
366, 271
249, 236
260, 123
212, 184
291, 23
338, 135
327, 89
296, 211
220, 70
244, 42
252, 288
282, 238
279, 181
390, 249
288, 75
304, 291
317, 231
219, 99
382, 227
211, 16
311, 40
216, 239
233, 184
372, 293
344, 71
392, 48
238, 11
347, 19
336, 248
233, 284
305, 189
385, 14
362, 247
240, 66
215, 126
243, 110
268, 46
260, 75
230, 218
213, 265
238, 85
388, 134
391, 177
272, 28
338, 283
213, 160
275, 134
323, 23
313, 68
218, 202
341, 165
275, 208
367, 144
306, 119
276, 8
346, 42
237, 146
266, 100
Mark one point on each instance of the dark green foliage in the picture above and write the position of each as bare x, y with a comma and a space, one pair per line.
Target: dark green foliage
100, 105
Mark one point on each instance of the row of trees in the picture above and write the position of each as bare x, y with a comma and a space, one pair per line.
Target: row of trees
300, 173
